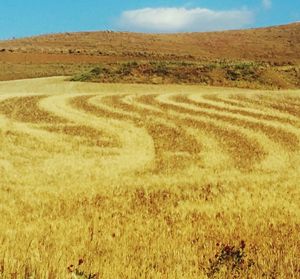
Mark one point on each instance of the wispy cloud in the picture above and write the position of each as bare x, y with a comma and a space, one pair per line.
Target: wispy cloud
184, 19
267, 4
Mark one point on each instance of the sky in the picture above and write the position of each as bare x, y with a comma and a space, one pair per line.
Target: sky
21, 18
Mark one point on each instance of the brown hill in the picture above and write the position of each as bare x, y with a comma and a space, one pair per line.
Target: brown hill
71, 53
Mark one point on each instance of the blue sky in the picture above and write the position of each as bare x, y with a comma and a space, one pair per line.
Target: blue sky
19, 18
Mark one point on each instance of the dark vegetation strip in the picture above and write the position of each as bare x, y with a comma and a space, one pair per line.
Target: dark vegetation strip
257, 115
288, 140
174, 148
244, 152
26, 109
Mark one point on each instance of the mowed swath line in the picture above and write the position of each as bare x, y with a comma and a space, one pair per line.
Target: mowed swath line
85, 134
277, 105
211, 156
158, 116
22, 117
293, 100
174, 148
277, 129
136, 147
215, 104
181, 148
278, 98
162, 132
26, 109
197, 125
244, 151
257, 107
286, 134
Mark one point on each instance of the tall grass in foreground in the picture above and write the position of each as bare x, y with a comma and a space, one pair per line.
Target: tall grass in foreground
150, 231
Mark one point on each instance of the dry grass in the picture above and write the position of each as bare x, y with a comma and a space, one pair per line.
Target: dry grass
144, 181
276, 44
264, 58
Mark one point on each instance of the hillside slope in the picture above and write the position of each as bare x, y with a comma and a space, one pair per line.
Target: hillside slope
71, 53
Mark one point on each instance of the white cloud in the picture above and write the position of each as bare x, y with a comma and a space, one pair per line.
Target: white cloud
184, 19
267, 4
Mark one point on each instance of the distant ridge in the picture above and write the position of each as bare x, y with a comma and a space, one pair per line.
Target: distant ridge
266, 57
271, 44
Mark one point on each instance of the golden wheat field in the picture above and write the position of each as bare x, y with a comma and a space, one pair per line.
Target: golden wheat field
148, 181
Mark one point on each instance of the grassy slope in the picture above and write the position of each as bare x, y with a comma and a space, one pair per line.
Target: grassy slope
73, 53
145, 181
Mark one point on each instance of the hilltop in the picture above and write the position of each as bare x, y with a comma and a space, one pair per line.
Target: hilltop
273, 52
